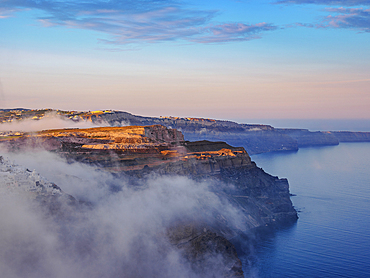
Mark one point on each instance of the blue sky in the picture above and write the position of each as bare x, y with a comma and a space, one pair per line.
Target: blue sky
225, 59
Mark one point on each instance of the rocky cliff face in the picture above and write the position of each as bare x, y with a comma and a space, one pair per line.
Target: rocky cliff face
45, 232
141, 152
347, 136
306, 138
254, 141
16, 180
254, 138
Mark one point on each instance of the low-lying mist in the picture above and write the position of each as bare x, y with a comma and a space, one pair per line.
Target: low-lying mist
51, 120
118, 233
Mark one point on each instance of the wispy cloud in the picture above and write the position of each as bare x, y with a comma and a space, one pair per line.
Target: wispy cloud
233, 32
347, 3
345, 18
129, 21
6, 12
358, 19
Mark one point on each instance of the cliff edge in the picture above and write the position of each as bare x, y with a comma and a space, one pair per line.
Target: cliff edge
141, 152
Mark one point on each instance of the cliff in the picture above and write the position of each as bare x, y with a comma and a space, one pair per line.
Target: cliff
20, 181
138, 152
17, 180
306, 138
141, 152
255, 138
348, 136
45, 231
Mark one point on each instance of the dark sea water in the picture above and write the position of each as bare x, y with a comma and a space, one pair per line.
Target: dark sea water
332, 236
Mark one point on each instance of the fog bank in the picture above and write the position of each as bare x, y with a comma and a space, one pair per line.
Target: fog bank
49, 121
121, 233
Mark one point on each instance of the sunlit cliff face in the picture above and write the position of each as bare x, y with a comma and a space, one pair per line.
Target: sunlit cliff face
127, 148
80, 119
167, 211
121, 230
76, 116
188, 119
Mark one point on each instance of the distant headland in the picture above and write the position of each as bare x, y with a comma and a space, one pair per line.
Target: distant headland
255, 138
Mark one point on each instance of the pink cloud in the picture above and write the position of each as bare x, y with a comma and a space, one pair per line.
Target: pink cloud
347, 18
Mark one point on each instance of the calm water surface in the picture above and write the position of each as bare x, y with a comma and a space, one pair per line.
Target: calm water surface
332, 235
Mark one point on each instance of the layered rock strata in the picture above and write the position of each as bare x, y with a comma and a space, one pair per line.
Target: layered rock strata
255, 138
143, 151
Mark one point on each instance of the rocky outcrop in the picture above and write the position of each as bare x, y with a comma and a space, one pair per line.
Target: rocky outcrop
255, 138
263, 199
208, 253
200, 244
143, 151
348, 136
253, 141
17, 180
306, 138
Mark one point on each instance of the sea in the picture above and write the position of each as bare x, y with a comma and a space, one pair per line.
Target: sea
331, 187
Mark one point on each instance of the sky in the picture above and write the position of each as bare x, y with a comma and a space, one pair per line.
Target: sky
223, 59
